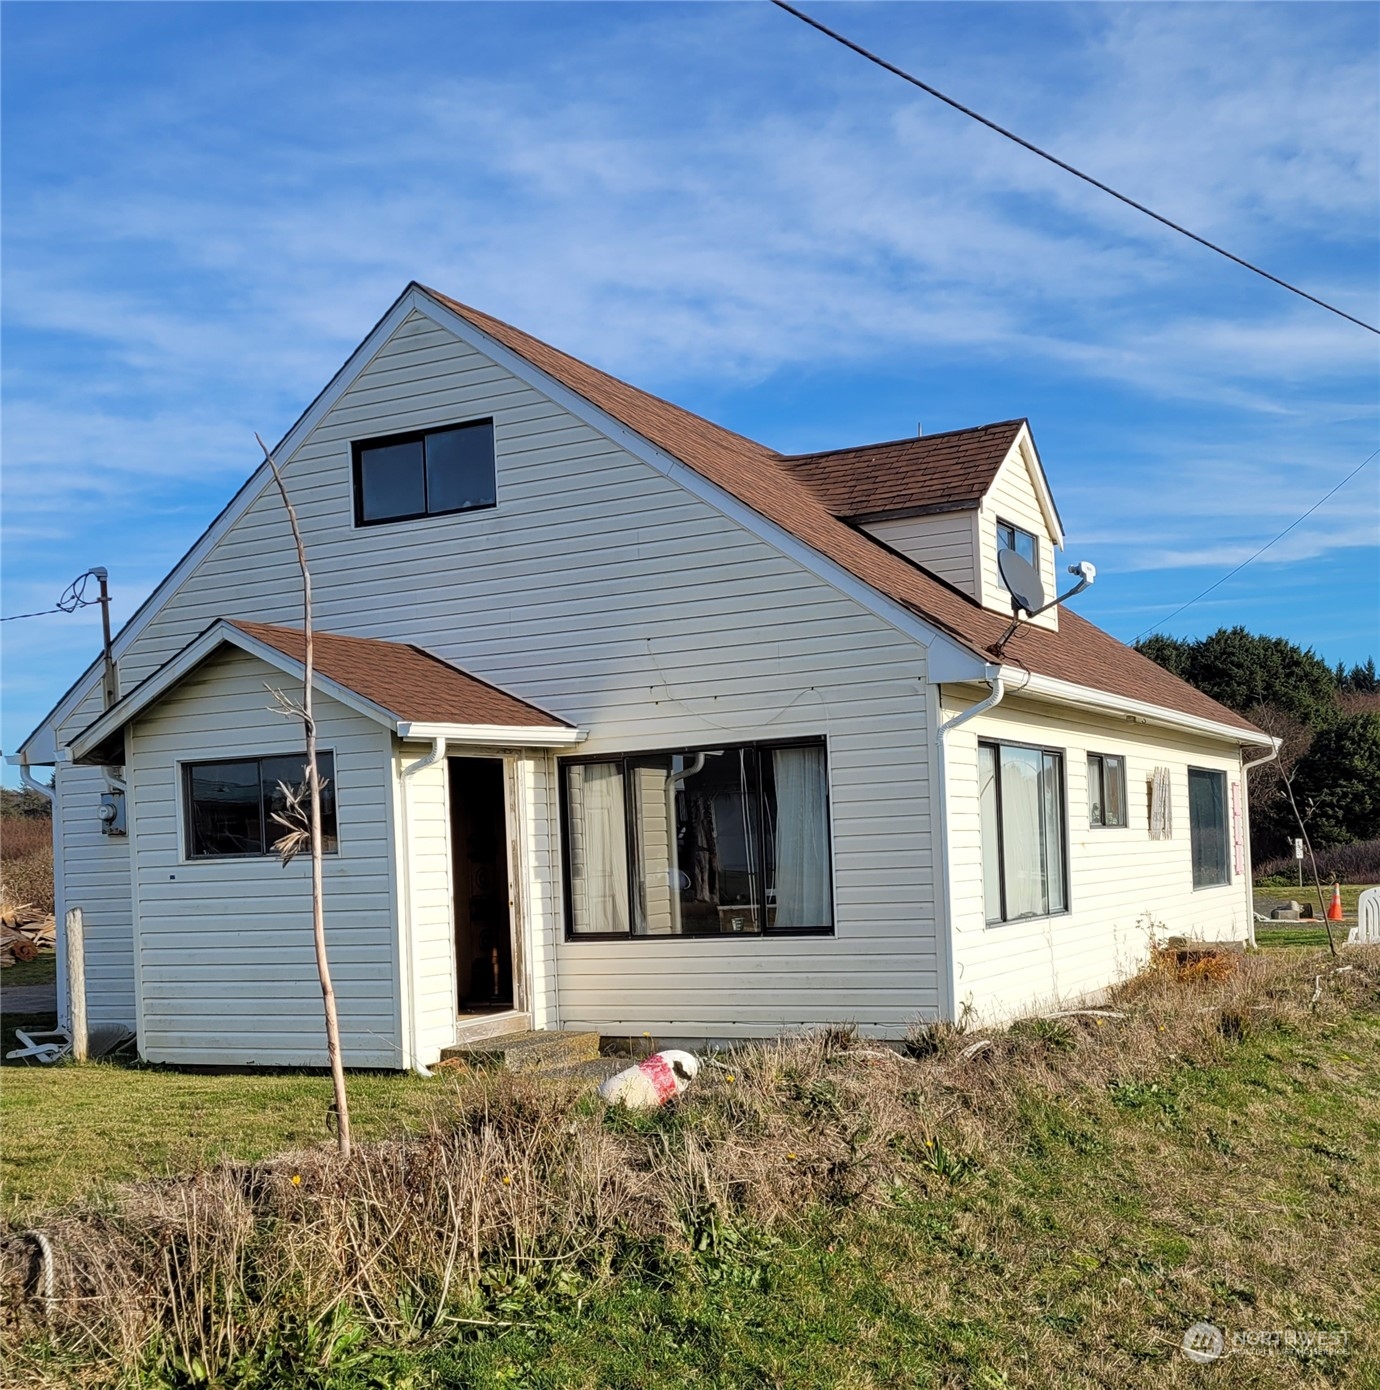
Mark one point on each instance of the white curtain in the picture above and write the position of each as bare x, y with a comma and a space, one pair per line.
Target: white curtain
1020, 823
991, 836
802, 838
598, 848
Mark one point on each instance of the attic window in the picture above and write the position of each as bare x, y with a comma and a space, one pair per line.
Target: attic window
428, 473
1025, 545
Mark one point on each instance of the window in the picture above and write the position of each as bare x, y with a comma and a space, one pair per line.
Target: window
1025, 545
425, 474
1207, 826
723, 841
230, 805
1106, 789
1021, 801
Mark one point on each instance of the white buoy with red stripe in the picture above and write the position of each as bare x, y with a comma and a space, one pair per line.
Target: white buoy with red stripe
652, 1082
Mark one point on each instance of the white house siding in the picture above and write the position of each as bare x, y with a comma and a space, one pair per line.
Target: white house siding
225, 960
427, 933
606, 593
1122, 884
1012, 497
941, 541
93, 873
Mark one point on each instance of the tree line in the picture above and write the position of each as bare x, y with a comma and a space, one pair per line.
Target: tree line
1328, 717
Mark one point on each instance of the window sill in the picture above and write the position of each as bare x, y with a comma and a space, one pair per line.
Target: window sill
1026, 921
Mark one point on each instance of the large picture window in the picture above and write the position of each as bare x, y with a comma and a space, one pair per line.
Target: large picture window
1207, 826
427, 473
712, 842
1024, 848
230, 805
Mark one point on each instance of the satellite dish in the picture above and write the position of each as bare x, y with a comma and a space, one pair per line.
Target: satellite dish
1022, 581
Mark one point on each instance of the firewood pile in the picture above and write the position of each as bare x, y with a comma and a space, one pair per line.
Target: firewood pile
24, 932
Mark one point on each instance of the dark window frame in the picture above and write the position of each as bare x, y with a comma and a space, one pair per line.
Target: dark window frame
1066, 871
1195, 832
1104, 823
1010, 526
625, 759
185, 771
358, 448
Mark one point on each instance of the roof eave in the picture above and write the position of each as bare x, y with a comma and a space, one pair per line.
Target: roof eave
1020, 681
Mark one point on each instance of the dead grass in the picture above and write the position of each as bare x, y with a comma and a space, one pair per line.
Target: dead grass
26, 862
522, 1183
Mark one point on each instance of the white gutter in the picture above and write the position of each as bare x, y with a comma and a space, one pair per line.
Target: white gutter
996, 679
438, 751
1246, 829
1139, 711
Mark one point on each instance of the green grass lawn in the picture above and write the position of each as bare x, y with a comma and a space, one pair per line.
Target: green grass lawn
68, 1130
1304, 933
42, 970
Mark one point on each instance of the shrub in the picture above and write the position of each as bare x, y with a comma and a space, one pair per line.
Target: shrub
1354, 863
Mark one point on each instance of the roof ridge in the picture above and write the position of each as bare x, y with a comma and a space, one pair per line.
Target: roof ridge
905, 439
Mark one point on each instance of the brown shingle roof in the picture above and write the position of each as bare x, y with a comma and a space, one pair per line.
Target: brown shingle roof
410, 683
765, 481
932, 472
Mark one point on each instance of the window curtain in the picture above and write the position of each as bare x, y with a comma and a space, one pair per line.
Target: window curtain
991, 836
1022, 842
598, 848
802, 838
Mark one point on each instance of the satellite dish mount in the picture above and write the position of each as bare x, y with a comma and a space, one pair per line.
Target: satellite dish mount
1023, 582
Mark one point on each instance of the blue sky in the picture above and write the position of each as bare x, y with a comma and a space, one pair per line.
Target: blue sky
207, 206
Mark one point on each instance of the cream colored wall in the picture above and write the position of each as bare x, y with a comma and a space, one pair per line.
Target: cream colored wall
224, 959
945, 543
1013, 497
1123, 886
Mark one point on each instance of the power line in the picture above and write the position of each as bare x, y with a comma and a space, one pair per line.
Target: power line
71, 598
1262, 549
1068, 168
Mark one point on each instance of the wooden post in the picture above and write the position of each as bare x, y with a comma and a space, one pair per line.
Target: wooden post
75, 936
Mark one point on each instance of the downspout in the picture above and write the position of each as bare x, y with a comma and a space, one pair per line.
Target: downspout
1269, 757
993, 676
33, 784
438, 751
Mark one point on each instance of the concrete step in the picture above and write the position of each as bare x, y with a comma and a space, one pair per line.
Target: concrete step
541, 1050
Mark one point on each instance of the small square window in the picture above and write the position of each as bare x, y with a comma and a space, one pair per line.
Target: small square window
430, 473
1106, 789
1025, 545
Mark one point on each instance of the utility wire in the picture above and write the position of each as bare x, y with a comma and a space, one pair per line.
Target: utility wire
1068, 168
72, 598
1262, 549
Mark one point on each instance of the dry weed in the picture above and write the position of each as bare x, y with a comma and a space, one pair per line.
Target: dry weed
528, 1179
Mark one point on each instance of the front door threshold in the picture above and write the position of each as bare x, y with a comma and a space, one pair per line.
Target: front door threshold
474, 1027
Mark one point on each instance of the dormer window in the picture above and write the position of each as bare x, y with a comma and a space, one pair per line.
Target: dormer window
1025, 545
428, 473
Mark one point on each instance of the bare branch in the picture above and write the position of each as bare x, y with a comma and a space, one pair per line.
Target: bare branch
313, 821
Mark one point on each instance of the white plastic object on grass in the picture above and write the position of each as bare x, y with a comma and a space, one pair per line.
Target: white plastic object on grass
1366, 932
652, 1082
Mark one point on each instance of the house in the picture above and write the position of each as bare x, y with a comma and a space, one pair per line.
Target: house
631, 724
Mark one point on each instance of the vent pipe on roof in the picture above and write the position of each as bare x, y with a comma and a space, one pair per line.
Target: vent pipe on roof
919, 429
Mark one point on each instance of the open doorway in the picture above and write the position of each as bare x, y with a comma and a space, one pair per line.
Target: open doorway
483, 926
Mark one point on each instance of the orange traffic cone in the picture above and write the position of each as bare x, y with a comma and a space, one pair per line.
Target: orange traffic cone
1334, 908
